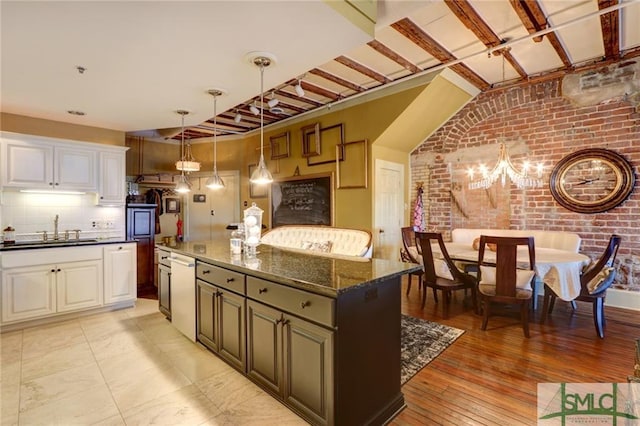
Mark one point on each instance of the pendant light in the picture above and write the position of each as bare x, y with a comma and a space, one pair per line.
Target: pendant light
187, 163
261, 174
182, 186
215, 181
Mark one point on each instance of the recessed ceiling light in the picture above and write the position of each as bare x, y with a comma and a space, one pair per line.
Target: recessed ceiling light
74, 112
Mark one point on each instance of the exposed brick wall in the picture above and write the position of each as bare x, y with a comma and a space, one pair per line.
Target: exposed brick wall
550, 127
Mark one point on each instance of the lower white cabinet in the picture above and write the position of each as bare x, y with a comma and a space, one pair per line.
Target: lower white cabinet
47, 282
120, 272
42, 290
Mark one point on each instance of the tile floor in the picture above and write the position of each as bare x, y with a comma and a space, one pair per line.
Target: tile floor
127, 367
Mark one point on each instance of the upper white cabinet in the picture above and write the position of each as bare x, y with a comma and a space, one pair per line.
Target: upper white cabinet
36, 165
35, 162
111, 190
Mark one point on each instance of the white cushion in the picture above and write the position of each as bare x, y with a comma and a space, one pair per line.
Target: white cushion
603, 276
350, 242
567, 241
441, 268
321, 246
523, 277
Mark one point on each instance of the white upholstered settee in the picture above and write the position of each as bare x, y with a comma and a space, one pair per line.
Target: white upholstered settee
567, 241
320, 239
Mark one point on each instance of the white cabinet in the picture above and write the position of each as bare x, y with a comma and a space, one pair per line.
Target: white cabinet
50, 281
38, 165
111, 188
42, 290
120, 272
28, 293
78, 285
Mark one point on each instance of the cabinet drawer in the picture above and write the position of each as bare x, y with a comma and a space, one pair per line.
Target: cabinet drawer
164, 257
19, 258
298, 302
230, 280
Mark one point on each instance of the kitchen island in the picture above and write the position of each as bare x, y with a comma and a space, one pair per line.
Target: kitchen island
320, 333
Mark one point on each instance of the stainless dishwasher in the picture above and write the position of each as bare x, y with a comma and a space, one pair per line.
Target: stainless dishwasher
183, 294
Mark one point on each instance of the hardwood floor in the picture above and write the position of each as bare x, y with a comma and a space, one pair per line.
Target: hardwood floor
490, 377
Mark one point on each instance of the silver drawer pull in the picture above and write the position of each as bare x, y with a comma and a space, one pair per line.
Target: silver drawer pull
262, 290
305, 304
230, 280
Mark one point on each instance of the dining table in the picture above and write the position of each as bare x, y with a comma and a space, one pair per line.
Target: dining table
560, 270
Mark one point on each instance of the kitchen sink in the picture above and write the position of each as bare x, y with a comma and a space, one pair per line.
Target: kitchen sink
49, 243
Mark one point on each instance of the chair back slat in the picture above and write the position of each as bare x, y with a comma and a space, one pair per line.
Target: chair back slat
506, 262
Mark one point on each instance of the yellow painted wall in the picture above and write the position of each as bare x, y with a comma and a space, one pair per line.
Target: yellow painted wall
56, 129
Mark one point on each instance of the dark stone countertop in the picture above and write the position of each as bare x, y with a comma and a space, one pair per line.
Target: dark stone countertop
31, 245
319, 273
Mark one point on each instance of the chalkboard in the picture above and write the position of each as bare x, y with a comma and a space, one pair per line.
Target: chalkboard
302, 200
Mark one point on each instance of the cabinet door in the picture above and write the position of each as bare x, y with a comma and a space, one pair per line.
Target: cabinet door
164, 290
119, 273
28, 292
111, 190
79, 285
308, 368
141, 228
75, 169
27, 165
264, 345
206, 311
231, 329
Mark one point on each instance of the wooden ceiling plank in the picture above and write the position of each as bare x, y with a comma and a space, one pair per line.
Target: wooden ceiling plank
293, 96
394, 56
310, 87
362, 69
410, 30
338, 80
609, 23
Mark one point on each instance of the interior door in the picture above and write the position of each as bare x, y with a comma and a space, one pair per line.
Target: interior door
210, 211
389, 206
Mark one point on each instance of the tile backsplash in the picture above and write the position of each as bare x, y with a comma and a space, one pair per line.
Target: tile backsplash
31, 213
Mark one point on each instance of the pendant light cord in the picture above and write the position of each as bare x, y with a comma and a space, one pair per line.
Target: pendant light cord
182, 146
262, 112
215, 133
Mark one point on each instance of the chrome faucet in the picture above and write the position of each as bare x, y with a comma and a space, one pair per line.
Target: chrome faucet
55, 228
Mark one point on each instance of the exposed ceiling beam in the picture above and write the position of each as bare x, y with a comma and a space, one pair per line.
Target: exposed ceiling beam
410, 30
340, 81
470, 18
394, 56
534, 20
610, 24
363, 69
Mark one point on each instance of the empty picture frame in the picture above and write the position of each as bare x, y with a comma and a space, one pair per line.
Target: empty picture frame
330, 137
255, 190
353, 172
311, 140
280, 146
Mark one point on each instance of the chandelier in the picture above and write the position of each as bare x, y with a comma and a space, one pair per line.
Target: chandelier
187, 162
504, 168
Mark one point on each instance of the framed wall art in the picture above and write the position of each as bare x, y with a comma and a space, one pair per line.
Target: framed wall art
353, 171
172, 205
330, 138
280, 146
311, 140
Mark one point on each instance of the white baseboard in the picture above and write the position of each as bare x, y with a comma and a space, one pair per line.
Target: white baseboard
623, 299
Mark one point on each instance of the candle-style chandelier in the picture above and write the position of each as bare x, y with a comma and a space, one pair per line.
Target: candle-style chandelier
504, 168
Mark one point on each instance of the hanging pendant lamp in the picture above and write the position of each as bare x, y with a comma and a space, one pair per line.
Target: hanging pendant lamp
187, 162
215, 181
182, 186
261, 175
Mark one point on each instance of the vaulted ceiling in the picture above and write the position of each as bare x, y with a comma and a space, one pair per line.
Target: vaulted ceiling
489, 43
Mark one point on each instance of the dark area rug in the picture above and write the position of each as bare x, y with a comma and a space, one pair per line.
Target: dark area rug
421, 342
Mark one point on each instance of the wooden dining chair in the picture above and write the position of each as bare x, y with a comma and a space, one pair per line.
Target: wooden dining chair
442, 273
500, 280
409, 252
594, 282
